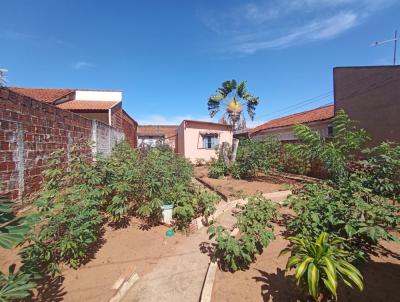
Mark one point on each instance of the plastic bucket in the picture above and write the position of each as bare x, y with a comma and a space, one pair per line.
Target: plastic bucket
167, 213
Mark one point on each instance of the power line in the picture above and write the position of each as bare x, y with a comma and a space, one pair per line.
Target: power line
300, 104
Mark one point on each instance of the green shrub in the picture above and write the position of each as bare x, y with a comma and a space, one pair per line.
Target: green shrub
256, 231
292, 163
334, 153
70, 217
347, 210
190, 202
122, 181
217, 169
256, 156
161, 171
383, 170
320, 264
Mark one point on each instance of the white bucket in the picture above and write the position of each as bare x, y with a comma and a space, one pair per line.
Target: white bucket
167, 213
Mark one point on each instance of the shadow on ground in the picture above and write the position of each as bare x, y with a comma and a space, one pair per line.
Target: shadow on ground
277, 287
382, 282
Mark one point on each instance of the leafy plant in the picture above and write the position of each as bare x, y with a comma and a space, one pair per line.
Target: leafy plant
70, 216
292, 163
206, 204
123, 177
256, 231
321, 264
332, 152
347, 210
256, 156
14, 285
161, 173
217, 168
382, 169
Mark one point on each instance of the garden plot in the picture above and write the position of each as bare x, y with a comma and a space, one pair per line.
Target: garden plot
266, 279
231, 188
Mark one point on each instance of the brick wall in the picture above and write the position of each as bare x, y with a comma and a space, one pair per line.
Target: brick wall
116, 116
130, 129
29, 132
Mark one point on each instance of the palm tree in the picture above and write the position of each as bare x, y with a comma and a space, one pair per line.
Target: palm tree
233, 96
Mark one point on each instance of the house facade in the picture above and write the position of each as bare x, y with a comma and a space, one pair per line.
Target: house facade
370, 95
154, 135
199, 140
319, 119
102, 105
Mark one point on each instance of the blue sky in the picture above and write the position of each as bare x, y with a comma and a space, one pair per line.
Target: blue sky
169, 56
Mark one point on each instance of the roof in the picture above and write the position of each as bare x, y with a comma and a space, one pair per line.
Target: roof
87, 105
46, 95
157, 130
319, 114
189, 122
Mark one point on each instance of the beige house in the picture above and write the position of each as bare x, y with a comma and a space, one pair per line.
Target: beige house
319, 119
199, 140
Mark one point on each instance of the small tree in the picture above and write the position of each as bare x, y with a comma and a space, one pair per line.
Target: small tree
332, 152
233, 96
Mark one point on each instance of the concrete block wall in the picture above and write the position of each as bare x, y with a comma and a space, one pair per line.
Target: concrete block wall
30, 131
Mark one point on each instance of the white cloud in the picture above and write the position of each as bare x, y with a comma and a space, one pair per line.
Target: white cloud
83, 65
158, 119
278, 24
315, 30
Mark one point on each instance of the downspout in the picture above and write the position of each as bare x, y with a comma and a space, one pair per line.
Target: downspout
109, 117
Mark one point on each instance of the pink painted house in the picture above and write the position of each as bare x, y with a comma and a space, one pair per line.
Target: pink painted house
196, 139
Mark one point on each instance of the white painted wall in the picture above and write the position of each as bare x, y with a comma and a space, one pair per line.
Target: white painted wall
87, 95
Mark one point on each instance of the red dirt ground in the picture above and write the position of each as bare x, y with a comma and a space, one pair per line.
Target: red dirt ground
124, 251
266, 280
235, 188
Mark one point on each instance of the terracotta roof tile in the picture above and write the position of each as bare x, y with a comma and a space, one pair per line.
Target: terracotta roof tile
87, 105
157, 130
46, 95
319, 114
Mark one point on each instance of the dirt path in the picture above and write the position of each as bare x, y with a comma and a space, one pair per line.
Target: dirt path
180, 276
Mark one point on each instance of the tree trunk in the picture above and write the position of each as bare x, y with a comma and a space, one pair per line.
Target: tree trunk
224, 153
235, 145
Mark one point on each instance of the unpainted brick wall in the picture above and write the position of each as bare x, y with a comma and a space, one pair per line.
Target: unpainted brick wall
130, 129
30, 131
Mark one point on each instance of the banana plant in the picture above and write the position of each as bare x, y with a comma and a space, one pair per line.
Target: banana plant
321, 264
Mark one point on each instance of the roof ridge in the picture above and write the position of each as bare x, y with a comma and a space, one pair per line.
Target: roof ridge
71, 89
299, 113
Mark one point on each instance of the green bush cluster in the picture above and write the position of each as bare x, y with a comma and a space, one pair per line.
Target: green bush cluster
81, 195
256, 231
252, 157
347, 209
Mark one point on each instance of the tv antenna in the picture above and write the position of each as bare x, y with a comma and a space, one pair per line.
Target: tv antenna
387, 41
3, 73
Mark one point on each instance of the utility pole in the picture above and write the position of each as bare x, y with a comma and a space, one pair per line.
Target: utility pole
387, 41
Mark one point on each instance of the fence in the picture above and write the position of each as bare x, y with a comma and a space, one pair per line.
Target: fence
31, 130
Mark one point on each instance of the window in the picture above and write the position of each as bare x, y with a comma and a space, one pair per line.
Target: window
330, 131
210, 141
